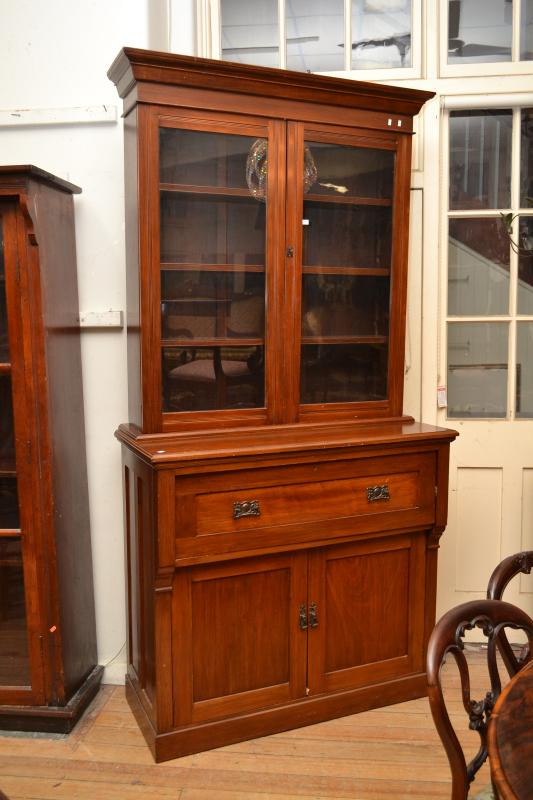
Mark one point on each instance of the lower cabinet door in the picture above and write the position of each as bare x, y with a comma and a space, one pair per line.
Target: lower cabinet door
237, 642
366, 609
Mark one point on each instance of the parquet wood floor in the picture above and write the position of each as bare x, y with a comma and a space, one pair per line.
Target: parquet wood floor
392, 753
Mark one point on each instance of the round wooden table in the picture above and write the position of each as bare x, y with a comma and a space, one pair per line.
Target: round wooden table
510, 738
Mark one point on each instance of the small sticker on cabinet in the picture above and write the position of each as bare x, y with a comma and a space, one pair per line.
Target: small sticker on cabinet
305, 222
442, 400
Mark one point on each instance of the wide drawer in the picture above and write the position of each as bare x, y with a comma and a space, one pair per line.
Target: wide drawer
269, 507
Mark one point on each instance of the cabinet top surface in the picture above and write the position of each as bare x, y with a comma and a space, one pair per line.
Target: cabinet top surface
166, 448
20, 174
133, 66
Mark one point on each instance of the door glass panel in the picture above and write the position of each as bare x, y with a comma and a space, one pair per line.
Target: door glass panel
477, 369
524, 370
314, 35
479, 31
14, 656
526, 157
526, 31
478, 267
480, 159
346, 263
213, 238
250, 32
525, 264
381, 33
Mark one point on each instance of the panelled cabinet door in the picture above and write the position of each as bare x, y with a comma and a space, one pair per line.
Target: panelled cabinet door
20, 666
366, 603
238, 636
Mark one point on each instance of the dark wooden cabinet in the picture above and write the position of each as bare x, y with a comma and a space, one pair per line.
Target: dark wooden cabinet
282, 514
48, 664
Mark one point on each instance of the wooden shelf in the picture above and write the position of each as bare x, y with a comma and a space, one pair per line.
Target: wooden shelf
345, 339
189, 266
5, 368
347, 200
216, 191
342, 271
220, 342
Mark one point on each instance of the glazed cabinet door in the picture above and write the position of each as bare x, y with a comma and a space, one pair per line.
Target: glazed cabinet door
345, 212
366, 612
238, 636
218, 204
20, 667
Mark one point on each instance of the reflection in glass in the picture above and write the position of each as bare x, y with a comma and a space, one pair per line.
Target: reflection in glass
345, 235
525, 263
314, 34
526, 31
479, 31
477, 369
7, 435
197, 158
480, 159
478, 267
208, 230
345, 172
381, 34
334, 305
14, 657
249, 32
4, 346
524, 370
343, 373
206, 378
526, 157
207, 305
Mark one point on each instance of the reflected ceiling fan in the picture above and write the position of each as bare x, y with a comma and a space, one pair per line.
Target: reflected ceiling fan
402, 41
458, 47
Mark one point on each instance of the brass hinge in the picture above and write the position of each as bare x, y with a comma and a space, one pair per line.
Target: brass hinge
436, 491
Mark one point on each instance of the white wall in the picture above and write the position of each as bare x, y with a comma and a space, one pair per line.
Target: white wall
56, 54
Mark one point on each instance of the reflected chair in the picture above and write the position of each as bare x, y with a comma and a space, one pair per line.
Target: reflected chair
500, 578
447, 638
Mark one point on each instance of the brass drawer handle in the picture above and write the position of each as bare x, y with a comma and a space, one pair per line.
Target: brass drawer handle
374, 493
247, 508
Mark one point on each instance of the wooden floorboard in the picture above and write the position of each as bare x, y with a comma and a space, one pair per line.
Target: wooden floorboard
392, 752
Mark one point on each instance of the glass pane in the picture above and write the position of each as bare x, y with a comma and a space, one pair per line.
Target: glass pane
207, 305
381, 33
347, 235
195, 158
526, 158
208, 378
477, 369
335, 305
340, 373
4, 346
14, 657
250, 32
480, 159
345, 172
479, 31
7, 436
524, 240
526, 31
524, 370
315, 35
478, 267
199, 229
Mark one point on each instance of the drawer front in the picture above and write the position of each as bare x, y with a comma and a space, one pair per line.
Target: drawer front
287, 505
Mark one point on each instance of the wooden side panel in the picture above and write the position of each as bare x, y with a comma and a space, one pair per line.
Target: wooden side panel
369, 601
57, 353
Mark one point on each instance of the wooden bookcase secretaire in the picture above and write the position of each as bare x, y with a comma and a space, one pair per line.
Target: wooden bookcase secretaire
282, 514
48, 661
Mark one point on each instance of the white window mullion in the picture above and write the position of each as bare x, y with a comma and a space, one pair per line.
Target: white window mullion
347, 35
515, 48
513, 283
282, 29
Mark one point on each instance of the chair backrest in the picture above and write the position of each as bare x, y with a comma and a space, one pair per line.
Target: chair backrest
491, 617
502, 575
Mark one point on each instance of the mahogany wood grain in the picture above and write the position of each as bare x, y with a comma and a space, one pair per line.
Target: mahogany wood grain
510, 739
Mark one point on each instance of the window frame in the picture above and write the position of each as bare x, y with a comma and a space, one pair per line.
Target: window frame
208, 26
